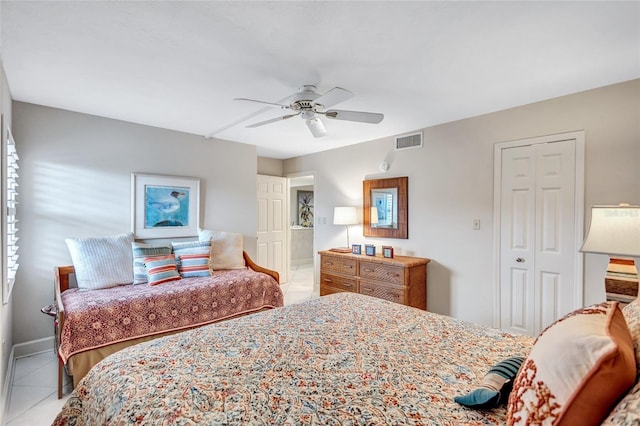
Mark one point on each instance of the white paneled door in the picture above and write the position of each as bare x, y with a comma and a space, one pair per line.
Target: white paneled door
539, 280
272, 224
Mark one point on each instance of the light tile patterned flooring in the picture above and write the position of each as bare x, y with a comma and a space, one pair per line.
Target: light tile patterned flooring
34, 396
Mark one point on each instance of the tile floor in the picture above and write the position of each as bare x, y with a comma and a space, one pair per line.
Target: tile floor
34, 396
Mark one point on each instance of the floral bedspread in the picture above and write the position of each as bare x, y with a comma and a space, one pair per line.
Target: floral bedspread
339, 359
100, 317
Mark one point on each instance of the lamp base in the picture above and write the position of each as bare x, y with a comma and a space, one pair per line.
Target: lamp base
621, 280
341, 249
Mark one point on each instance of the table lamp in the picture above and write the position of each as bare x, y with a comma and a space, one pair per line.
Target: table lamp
615, 231
345, 216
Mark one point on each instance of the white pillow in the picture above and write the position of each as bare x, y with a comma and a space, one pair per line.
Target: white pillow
226, 249
102, 262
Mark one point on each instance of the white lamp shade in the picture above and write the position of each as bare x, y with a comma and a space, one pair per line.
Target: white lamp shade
345, 216
614, 230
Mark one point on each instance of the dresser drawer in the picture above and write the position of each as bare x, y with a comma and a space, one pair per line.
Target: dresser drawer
380, 272
340, 265
337, 282
393, 294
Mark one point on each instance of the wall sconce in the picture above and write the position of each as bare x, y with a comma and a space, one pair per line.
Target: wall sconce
615, 230
345, 216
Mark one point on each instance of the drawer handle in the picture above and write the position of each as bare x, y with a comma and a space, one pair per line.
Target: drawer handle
328, 263
369, 290
348, 266
368, 270
328, 280
348, 285
393, 274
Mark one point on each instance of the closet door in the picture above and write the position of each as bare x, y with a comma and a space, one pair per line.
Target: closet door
538, 277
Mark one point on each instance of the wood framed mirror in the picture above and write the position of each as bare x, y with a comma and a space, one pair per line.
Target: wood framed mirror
385, 210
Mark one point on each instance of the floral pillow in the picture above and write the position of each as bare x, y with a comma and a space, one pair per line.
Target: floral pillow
577, 370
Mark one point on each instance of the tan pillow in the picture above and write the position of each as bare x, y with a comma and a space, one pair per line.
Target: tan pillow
578, 368
226, 249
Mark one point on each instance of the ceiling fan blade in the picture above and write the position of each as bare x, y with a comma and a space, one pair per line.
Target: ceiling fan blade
362, 117
316, 127
273, 120
261, 102
333, 96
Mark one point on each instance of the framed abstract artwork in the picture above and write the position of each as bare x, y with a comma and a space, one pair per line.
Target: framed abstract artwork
164, 206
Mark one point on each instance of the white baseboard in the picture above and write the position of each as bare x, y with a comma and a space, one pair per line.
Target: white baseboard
34, 347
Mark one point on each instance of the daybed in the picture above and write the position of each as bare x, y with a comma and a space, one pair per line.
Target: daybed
93, 324
340, 359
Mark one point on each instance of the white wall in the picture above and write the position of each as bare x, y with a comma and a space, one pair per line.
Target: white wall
6, 310
76, 181
451, 183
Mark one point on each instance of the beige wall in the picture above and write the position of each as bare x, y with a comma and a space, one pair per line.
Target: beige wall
451, 183
270, 166
76, 179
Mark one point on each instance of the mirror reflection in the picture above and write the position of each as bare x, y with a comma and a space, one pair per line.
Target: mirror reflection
384, 212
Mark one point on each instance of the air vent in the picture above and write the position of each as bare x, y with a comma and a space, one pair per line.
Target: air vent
413, 140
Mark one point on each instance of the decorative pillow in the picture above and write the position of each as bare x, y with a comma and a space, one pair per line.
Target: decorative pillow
161, 269
576, 371
632, 316
102, 262
193, 258
142, 251
226, 249
495, 387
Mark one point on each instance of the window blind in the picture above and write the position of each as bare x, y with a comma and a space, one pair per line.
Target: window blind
12, 255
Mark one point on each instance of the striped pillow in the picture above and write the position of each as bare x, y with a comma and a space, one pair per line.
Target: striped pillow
142, 251
161, 269
495, 387
193, 258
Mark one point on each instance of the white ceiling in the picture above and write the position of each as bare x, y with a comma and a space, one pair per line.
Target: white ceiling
179, 65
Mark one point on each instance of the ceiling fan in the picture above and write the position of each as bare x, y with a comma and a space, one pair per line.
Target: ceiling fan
307, 103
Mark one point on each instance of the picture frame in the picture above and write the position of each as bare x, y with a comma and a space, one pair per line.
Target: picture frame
305, 209
387, 251
164, 206
370, 250
356, 249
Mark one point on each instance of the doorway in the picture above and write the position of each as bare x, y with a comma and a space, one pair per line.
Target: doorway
301, 238
538, 229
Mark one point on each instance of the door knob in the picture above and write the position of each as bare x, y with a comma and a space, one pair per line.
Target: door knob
520, 260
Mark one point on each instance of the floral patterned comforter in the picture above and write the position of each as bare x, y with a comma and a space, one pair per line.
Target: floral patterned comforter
340, 359
101, 317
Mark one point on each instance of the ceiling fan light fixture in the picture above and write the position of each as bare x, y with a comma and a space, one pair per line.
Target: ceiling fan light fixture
316, 127
307, 103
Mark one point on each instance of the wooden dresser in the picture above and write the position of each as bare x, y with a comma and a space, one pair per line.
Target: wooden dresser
401, 279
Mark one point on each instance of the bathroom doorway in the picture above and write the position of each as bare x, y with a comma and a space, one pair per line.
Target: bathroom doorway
300, 286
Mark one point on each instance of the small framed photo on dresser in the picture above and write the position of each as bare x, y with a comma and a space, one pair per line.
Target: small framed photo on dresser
387, 251
370, 250
356, 248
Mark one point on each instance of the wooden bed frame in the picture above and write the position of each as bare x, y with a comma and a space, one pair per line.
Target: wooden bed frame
62, 282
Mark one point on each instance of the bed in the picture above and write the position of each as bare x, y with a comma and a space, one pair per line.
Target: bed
94, 324
340, 359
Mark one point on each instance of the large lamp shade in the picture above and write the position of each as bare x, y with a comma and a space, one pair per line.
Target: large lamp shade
614, 230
